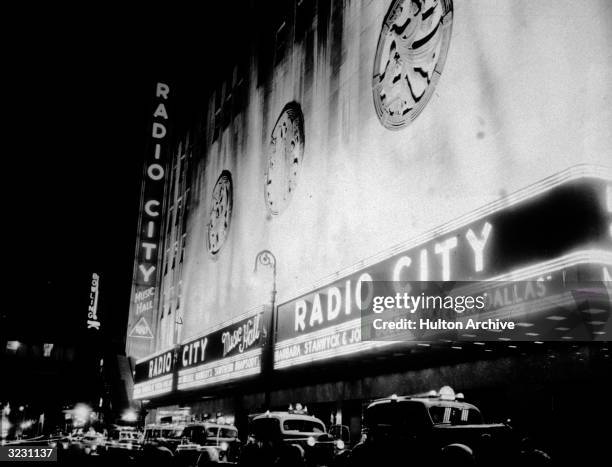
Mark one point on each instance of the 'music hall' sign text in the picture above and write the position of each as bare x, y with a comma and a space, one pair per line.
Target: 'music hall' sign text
226, 354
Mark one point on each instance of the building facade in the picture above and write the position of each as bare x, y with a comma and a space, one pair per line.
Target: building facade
355, 141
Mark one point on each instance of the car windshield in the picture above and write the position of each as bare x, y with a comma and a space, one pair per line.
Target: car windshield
175, 433
265, 429
453, 415
402, 417
121, 435
228, 433
303, 426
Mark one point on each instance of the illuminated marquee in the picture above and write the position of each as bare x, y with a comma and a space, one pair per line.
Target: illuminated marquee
154, 375
144, 286
226, 354
558, 223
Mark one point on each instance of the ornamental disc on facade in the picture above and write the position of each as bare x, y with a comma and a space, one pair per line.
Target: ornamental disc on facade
409, 59
285, 158
220, 213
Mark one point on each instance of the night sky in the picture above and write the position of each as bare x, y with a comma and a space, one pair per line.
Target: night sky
79, 105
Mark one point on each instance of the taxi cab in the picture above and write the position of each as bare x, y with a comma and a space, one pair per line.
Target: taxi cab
289, 437
128, 438
432, 427
217, 438
165, 435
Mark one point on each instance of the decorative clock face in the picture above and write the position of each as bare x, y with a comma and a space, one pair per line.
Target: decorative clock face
409, 59
220, 213
285, 158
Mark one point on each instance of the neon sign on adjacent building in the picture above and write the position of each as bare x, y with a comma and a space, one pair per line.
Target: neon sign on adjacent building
92, 312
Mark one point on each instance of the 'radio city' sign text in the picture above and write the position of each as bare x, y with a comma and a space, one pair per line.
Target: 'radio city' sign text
535, 226
154, 175
152, 367
144, 286
154, 376
462, 253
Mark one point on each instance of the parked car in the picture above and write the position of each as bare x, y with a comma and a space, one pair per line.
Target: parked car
289, 438
163, 435
211, 436
124, 438
438, 427
90, 443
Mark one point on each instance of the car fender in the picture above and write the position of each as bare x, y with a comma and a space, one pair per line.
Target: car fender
299, 448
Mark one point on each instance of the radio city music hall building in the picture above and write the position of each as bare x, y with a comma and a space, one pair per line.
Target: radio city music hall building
360, 141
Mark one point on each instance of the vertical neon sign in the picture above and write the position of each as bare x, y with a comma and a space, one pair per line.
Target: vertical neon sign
92, 312
145, 276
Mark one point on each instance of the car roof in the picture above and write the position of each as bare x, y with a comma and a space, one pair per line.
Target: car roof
427, 401
162, 426
287, 416
210, 424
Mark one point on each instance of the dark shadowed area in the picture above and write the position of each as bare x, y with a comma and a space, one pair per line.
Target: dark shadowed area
80, 102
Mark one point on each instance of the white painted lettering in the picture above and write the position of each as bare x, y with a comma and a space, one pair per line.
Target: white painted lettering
162, 90
444, 249
146, 273
316, 316
300, 315
161, 111
155, 172
478, 245
334, 302
159, 130
149, 247
148, 208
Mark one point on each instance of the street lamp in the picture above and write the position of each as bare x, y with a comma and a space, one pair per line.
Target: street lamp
266, 258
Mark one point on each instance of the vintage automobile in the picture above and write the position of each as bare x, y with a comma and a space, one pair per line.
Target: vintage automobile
290, 438
164, 435
219, 440
91, 443
124, 438
436, 427
191, 441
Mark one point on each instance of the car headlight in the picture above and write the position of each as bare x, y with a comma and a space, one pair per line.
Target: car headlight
340, 444
53, 444
224, 446
310, 441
